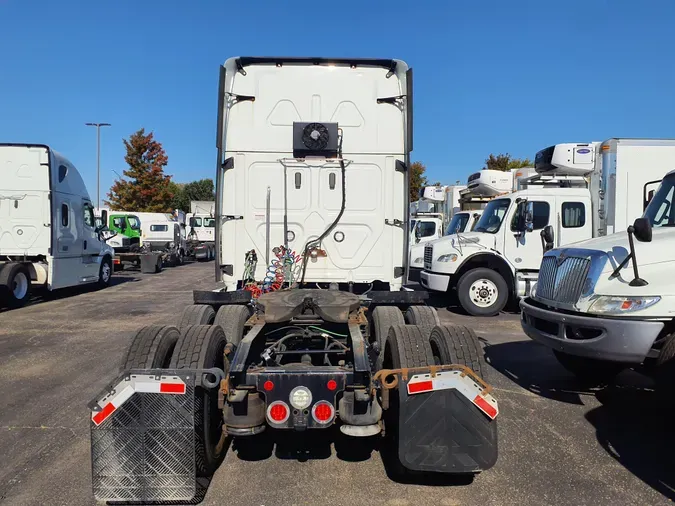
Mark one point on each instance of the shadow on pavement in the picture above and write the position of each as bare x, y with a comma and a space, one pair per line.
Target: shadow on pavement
41, 295
636, 428
535, 368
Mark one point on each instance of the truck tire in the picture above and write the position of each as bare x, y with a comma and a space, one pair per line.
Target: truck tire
425, 317
406, 346
197, 314
151, 348
457, 344
159, 265
482, 292
15, 282
590, 371
202, 347
105, 272
232, 320
384, 317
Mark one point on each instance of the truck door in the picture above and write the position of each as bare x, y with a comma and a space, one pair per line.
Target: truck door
91, 245
523, 249
574, 221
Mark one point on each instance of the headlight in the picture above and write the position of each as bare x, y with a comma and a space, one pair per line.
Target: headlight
447, 258
609, 304
418, 260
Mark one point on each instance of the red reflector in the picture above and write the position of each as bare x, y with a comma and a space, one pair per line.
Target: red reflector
332, 385
171, 388
421, 386
268, 385
104, 413
278, 412
322, 412
485, 406
116, 261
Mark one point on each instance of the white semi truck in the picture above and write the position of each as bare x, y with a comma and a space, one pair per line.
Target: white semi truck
608, 303
326, 343
48, 232
201, 230
431, 214
581, 191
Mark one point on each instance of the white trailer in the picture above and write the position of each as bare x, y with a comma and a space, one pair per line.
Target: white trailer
581, 191
48, 232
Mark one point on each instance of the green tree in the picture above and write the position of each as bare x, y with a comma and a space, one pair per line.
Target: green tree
417, 180
504, 162
147, 188
202, 189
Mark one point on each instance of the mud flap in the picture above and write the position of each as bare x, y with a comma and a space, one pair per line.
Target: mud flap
441, 427
143, 437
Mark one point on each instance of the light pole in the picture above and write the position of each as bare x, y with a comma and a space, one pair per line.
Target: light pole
98, 159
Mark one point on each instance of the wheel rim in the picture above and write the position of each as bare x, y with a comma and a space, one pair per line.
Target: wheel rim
105, 272
483, 293
20, 286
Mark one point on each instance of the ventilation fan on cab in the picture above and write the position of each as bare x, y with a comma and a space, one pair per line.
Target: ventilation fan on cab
315, 139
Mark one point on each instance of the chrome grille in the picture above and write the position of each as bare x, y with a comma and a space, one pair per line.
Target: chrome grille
428, 255
562, 281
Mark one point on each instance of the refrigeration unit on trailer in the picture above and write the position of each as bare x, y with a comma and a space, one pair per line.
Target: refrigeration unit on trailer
48, 232
607, 304
580, 191
308, 331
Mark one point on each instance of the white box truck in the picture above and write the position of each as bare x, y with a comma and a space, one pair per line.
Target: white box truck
608, 303
581, 191
331, 138
48, 233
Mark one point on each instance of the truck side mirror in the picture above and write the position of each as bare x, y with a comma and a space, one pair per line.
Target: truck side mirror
104, 217
192, 221
547, 237
642, 230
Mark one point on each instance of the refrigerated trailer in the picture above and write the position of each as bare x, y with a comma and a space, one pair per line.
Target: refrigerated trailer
48, 233
311, 328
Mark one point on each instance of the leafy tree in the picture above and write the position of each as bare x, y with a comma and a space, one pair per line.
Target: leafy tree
196, 190
504, 162
417, 180
147, 188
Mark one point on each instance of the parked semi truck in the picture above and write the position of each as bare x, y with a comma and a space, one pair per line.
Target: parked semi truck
48, 233
607, 304
581, 191
315, 337
200, 243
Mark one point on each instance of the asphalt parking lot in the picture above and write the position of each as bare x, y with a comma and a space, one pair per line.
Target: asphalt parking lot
559, 444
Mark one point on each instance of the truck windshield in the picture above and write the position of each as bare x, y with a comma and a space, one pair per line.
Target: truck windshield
660, 210
209, 222
134, 223
458, 222
493, 216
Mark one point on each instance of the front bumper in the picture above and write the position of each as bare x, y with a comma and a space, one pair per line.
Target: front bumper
435, 282
613, 339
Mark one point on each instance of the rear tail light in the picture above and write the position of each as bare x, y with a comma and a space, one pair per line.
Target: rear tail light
278, 412
323, 412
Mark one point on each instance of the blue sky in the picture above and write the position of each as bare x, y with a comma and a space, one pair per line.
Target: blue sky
491, 76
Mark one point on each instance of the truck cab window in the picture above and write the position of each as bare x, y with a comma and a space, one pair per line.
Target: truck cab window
573, 214
159, 228
458, 222
427, 228
64, 215
209, 222
493, 215
89, 216
660, 209
134, 223
535, 212
197, 222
